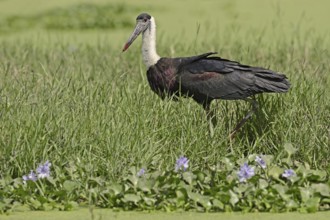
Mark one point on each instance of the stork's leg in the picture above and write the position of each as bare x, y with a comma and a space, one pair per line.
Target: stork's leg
255, 106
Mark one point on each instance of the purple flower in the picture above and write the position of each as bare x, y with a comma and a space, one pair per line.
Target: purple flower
181, 164
31, 176
288, 173
44, 170
261, 162
141, 172
245, 172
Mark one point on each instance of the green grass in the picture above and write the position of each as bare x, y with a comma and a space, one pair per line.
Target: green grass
67, 102
77, 17
65, 99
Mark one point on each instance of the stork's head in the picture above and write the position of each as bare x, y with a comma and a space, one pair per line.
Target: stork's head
142, 24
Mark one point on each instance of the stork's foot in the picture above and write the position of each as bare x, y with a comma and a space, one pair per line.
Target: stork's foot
240, 124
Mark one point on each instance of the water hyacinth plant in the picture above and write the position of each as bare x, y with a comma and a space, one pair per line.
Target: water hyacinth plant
261, 162
206, 189
181, 164
245, 172
288, 173
141, 172
31, 176
43, 171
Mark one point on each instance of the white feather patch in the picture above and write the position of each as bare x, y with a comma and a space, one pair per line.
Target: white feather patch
149, 54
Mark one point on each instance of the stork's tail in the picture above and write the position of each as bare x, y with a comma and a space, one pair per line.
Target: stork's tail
270, 81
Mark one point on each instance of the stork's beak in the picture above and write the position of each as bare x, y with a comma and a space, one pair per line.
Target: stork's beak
137, 31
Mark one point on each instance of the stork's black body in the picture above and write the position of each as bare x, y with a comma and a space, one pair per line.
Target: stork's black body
204, 77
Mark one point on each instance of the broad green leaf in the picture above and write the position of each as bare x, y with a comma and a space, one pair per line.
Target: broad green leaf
51, 180
133, 179
291, 204
305, 193
251, 157
321, 188
241, 188
70, 205
327, 200
69, 185
233, 198
149, 201
116, 188
203, 200
218, 204
193, 196
288, 147
281, 190
7, 201
18, 207
47, 207
145, 185
318, 175
312, 204
181, 193
98, 180
268, 159
206, 203
301, 169
35, 203
263, 183
131, 198
188, 177
276, 172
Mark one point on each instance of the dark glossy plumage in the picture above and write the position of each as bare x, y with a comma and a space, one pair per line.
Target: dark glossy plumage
207, 77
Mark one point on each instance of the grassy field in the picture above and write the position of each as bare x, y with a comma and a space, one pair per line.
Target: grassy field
71, 96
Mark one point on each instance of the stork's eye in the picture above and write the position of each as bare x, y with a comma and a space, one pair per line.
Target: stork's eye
145, 20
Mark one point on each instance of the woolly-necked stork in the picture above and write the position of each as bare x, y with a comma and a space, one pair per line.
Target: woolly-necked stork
203, 77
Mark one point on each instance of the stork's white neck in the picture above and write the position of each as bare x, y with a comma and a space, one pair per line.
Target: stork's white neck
149, 54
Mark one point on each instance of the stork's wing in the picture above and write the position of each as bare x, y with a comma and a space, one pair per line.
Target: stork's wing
219, 78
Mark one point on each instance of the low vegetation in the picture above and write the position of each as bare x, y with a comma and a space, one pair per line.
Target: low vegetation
78, 17
256, 183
